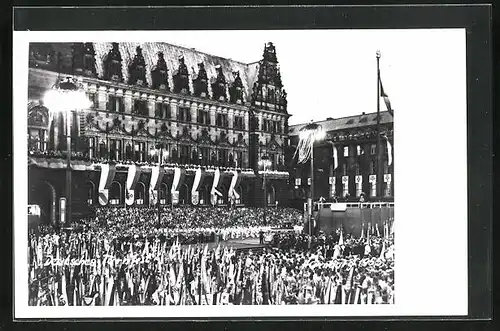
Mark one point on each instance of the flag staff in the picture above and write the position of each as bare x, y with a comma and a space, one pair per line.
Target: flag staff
379, 148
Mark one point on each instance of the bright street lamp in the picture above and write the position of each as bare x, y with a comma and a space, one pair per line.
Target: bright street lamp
67, 95
312, 132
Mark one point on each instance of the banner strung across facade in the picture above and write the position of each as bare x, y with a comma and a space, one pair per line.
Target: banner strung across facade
107, 176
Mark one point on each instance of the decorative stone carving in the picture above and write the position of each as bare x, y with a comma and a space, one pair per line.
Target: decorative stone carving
181, 83
200, 83
236, 89
159, 74
38, 116
113, 64
219, 85
137, 69
84, 59
205, 139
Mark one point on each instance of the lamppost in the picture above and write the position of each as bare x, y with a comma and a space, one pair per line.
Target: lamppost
312, 132
378, 187
67, 95
265, 162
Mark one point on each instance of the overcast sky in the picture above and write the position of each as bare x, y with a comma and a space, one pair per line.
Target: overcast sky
332, 73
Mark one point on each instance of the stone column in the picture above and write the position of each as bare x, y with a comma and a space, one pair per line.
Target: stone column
246, 120
151, 105
259, 116
194, 112
173, 114
102, 98
230, 118
127, 101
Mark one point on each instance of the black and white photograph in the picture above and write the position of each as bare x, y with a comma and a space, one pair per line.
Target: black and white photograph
238, 168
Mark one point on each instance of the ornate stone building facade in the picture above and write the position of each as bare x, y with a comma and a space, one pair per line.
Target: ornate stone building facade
355, 141
152, 101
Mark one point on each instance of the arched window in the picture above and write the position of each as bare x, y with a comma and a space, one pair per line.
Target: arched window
372, 167
90, 187
140, 193
128, 151
194, 157
115, 193
184, 195
239, 189
174, 155
164, 196
222, 200
213, 158
271, 195
204, 195
103, 151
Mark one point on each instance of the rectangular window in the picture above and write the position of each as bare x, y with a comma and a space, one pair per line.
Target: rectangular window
91, 150
373, 149
115, 104
372, 167
141, 107
346, 151
358, 150
207, 117
184, 114
200, 114
239, 159
184, 154
238, 122
205, 153
344, 169
93, 100
162, 110
112, 149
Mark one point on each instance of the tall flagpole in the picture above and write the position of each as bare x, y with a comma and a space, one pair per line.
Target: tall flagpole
379, 147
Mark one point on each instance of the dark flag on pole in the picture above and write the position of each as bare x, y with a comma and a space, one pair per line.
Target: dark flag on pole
386, 98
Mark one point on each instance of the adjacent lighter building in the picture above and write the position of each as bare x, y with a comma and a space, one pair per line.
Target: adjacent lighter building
354, 139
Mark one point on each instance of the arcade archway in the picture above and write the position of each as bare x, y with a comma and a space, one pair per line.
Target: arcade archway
43, 194
115, 193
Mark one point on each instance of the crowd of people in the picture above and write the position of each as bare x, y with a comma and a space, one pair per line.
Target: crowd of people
189, 225
130, 261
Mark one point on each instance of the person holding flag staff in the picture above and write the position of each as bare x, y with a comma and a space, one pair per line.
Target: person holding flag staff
92, 269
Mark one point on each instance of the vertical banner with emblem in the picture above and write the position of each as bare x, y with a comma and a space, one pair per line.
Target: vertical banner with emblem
387, 180
179, 175
198, 179
345, 184
154, 184
133, 174
359, 185
235, 181
107, 176
215, 192
332, 182
373, 181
